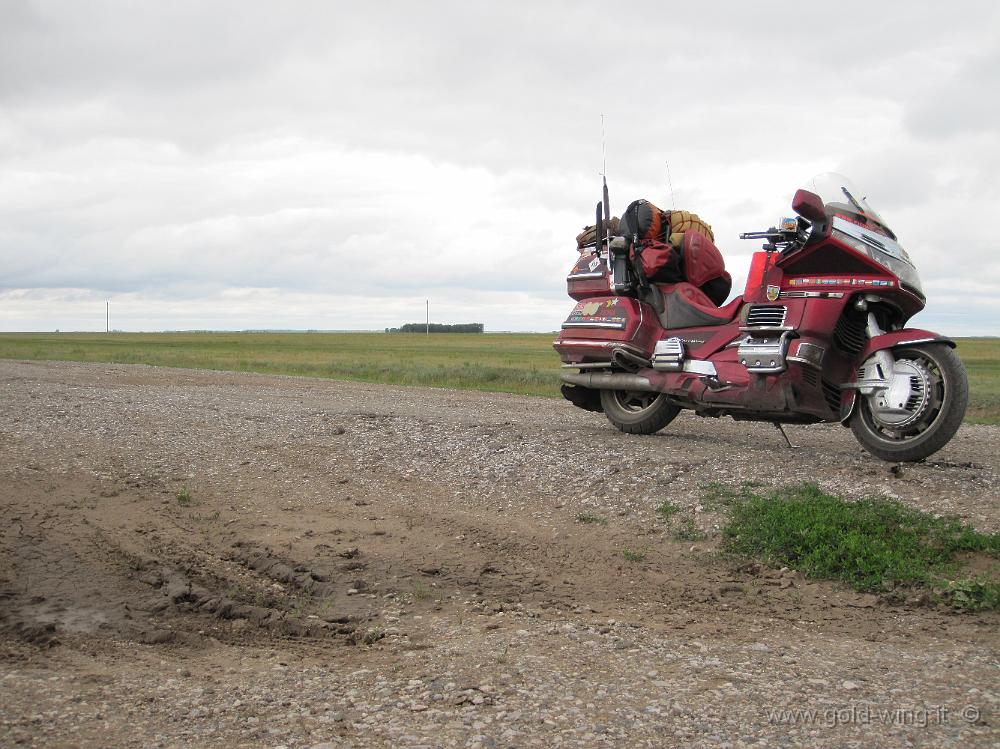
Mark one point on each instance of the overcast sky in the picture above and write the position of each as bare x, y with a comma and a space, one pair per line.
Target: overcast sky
332, 165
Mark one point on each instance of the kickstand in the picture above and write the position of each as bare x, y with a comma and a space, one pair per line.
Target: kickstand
777, 425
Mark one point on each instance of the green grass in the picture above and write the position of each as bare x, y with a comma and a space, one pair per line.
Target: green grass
632, 556
667, 509
873, 544
981, 357
510, 363
688, 531
586, 517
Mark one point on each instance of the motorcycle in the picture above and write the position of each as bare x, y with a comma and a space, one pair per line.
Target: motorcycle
818, 334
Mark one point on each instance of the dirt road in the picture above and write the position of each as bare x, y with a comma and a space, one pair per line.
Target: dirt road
198, 558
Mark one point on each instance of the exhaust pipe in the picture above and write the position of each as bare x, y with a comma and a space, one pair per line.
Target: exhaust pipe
608, 381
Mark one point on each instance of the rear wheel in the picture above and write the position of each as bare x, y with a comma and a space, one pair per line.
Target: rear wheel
920, 411
637, 411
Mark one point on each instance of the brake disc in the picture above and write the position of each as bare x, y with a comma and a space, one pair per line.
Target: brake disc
907, 397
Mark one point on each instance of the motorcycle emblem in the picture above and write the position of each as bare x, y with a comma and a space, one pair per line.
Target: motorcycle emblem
773, 292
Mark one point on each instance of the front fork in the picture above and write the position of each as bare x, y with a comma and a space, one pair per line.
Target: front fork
878, 377
877, 372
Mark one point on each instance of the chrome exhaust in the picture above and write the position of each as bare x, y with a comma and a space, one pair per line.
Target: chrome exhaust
608, 381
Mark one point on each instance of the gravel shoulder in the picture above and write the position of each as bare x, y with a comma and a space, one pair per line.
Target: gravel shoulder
207, 558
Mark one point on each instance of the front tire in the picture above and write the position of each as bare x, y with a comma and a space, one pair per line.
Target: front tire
936, 407
638, 412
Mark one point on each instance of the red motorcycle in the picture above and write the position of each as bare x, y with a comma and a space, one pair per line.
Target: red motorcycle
818, 335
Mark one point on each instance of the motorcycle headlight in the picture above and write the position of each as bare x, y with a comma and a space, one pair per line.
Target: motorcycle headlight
893, 258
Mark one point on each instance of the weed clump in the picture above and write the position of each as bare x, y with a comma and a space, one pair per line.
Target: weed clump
872, 544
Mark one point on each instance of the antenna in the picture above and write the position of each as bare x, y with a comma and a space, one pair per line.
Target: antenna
673, 205
604, 152
604, 179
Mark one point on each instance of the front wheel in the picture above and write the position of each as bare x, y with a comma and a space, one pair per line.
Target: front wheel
920, 410
638, 412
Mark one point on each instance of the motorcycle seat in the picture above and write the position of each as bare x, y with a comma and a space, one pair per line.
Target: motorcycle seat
687, 306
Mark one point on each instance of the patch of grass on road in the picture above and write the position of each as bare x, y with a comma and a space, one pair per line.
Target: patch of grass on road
871, 544
631, 555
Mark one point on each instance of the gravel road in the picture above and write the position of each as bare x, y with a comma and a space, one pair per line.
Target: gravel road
199, 558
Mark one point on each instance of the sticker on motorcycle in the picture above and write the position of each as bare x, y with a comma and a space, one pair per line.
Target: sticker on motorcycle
773, 292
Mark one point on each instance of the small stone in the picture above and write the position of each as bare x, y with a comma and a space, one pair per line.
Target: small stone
850, 685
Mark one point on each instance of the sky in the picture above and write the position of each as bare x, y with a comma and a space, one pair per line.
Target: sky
338, 165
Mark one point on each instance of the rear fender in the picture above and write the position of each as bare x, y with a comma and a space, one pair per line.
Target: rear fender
895, 339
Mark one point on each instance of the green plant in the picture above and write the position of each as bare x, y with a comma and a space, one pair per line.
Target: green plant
421, 592
667, 509
586, 517
688, 531
971, 594
373, 635
872, 544
633, 556
184, 497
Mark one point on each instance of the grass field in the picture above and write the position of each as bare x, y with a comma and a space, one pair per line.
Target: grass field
511, 363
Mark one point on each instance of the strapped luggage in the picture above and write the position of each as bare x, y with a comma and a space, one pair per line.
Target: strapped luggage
643, 220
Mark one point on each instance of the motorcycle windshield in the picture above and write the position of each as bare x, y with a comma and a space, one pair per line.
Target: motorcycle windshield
842, 196
858, 225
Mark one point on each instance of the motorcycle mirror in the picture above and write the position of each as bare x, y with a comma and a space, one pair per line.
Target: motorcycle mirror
809, 205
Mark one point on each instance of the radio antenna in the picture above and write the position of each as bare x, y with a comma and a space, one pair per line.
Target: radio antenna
604, 176
604, 151
673, 205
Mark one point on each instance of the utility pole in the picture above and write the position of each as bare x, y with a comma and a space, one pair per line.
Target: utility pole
428, 328
107, 316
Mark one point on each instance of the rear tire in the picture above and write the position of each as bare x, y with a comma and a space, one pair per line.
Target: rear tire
939, 418
638, 412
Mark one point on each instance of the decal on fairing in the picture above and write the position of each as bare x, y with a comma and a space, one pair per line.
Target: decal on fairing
818, 281
603, 314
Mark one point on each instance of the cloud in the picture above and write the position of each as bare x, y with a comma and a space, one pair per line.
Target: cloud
324, 153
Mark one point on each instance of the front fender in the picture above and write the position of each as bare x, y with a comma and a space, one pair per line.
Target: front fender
895, 339
904, 337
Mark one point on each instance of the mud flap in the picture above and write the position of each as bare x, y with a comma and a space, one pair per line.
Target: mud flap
581, 397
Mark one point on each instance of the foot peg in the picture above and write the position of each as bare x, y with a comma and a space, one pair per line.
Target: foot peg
714, 384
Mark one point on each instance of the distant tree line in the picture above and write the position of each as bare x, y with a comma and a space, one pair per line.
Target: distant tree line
434, 327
